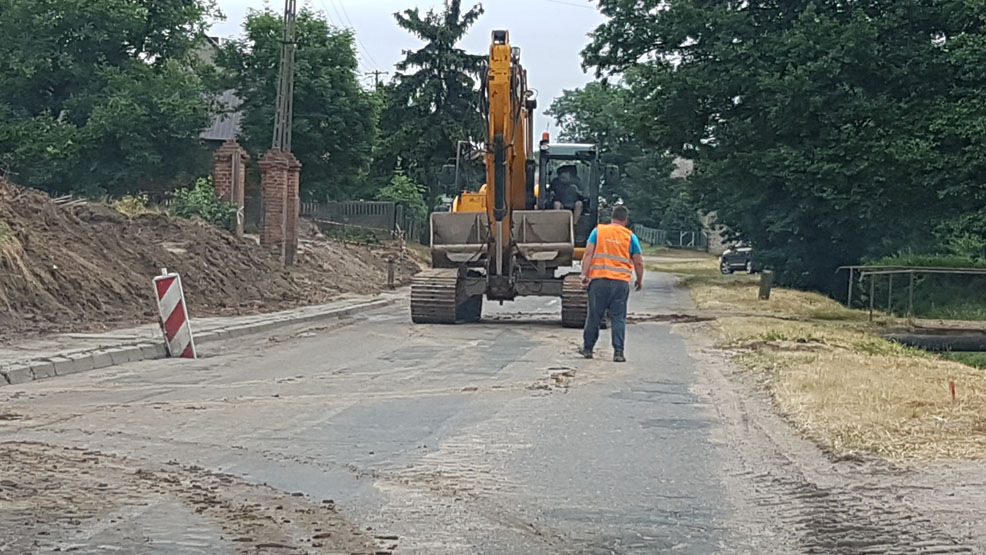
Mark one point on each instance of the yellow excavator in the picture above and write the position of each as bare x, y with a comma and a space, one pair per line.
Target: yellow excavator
506, 240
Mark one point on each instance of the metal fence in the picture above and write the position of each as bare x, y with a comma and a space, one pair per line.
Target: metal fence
374, 215
697, 240
384, 216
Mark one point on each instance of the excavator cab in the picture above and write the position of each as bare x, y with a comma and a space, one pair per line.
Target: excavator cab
589, 176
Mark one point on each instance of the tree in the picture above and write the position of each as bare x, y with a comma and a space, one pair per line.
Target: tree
599, 113
403, 191
334, 118
823, 131
433, 102
103, 95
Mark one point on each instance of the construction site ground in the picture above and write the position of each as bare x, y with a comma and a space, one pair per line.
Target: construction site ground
88, 268
372, 435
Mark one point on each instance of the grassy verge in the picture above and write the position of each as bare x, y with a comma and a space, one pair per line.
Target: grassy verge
835, 378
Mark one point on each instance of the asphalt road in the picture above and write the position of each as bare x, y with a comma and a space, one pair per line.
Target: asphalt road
486, 438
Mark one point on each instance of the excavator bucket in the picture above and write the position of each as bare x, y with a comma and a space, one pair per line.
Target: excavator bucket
544, 235
458, 238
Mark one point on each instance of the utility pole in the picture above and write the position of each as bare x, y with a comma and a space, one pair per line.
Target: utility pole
376, 77
280, 167
285, 88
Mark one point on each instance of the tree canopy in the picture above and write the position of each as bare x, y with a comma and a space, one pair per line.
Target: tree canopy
433, 101
825, 132
102, 96
334, 118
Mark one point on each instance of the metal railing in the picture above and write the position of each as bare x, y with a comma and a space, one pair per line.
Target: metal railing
890, 271
689, 239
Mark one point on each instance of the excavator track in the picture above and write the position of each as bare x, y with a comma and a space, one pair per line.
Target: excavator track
437, 297
574, 302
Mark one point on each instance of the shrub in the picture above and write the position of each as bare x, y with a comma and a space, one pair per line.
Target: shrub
405, 192
201, 201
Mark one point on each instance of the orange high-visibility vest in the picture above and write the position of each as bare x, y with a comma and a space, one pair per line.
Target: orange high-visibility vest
611, 259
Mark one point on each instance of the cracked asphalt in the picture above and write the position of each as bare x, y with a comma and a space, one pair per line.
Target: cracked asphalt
391, 438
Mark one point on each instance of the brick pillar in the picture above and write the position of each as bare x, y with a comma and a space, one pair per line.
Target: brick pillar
294, 206
280, 175
229, 176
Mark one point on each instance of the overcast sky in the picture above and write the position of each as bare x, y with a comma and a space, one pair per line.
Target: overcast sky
550, 33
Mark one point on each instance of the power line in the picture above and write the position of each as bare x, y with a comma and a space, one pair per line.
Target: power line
572, 4
325, 9
366, 50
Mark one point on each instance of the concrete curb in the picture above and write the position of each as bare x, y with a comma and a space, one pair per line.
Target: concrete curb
73, 363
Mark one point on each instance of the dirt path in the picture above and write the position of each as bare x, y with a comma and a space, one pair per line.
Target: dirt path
61, 499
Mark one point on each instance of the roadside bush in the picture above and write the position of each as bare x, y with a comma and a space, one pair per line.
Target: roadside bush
405, 192
201, 201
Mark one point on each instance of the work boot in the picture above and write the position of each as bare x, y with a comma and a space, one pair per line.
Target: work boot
618, 357
585, 352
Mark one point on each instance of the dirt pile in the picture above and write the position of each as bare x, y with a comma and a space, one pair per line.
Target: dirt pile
90, 268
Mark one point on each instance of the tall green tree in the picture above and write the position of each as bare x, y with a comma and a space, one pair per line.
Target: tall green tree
334, 118
433, 102
601, 114
103, 95
826, 132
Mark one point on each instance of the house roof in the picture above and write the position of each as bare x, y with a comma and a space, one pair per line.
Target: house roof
226, 124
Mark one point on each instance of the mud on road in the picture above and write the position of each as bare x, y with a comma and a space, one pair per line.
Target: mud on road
58, 499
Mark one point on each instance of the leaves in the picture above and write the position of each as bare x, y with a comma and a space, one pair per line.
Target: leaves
102, 96
433, 102
824, 132
200, 201
405, 192
334, 119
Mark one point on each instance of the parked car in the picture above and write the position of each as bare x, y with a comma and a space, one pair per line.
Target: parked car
737, 258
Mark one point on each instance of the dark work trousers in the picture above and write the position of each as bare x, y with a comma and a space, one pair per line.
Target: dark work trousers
611, 295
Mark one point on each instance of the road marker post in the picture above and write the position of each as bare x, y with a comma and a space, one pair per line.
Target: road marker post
174, 315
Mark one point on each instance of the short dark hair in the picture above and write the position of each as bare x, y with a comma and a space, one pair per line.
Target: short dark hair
621, 213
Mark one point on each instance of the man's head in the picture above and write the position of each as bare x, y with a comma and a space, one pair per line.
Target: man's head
620, 215
566, 174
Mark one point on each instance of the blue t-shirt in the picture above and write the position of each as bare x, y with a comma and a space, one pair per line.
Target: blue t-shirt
634, 243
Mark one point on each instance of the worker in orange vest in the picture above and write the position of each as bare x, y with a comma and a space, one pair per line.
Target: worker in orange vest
612, 255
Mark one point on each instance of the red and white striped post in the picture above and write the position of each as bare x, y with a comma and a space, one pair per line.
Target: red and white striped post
174, 315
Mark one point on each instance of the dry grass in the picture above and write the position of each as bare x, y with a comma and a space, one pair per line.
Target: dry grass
12, 266
836, 379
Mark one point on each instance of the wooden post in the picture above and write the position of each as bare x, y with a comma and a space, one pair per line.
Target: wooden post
766, 282
890, 293
872, 294
237, 192
849, 297
390, 272
910, 296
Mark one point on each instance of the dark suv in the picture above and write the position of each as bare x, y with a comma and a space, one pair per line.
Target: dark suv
737, 258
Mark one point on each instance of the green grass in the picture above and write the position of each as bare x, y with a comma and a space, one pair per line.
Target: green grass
975, 360
650, 250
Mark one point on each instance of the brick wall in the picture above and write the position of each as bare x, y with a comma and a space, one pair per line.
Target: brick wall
228, 178
222, 171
